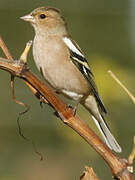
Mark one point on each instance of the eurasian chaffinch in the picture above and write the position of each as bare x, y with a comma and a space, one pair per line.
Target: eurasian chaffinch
64, 66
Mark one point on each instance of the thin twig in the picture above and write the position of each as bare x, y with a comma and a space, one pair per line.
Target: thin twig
14, 98
5, 49
25, 52
132, 154
122, 85
28, 139
88, 174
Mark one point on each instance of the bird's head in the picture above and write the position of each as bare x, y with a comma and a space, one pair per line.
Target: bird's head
46, 18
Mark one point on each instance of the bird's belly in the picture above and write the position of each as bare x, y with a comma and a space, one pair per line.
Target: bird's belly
58, 70
66, 80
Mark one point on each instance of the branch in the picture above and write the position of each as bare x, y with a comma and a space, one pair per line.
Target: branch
122, 85
20, 69
88, 174
131, 157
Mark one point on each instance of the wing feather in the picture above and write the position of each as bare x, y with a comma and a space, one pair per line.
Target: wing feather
80, 61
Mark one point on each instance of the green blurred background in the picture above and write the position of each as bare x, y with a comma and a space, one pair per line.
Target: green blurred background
105, 32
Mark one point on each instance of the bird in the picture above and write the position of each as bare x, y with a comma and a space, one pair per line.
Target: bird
65, 68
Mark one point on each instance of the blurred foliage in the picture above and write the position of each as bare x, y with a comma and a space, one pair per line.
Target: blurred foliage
102, 29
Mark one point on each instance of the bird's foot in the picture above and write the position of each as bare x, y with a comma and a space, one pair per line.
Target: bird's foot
73, 108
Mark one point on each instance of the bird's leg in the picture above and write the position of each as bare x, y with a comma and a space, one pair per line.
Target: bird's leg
75, 107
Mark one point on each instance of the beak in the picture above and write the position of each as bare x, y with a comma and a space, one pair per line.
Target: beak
28, 18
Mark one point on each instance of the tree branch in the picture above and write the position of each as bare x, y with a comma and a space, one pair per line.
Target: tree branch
88, 174
119, 167
122, 85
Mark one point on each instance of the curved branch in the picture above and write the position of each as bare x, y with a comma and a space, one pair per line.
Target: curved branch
119, 167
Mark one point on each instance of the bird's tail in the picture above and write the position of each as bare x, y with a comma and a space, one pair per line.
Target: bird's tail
107, 135
102, 126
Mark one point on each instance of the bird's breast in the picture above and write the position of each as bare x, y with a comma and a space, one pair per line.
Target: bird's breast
53, 57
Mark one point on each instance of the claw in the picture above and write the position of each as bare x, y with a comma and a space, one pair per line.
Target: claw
73, 108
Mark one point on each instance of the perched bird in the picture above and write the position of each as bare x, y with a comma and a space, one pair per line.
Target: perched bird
64, 66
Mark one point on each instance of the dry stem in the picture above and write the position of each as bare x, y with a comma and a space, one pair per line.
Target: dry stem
88, 174
131, 157
122, 85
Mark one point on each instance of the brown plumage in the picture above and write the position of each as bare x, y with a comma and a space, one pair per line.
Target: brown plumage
64, 66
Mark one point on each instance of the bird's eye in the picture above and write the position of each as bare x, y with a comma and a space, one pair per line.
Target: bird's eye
42, 16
